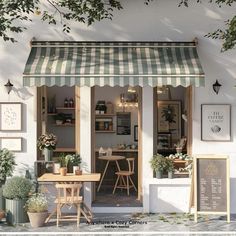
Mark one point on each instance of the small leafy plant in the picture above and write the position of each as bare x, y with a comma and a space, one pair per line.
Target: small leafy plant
75, 160
158, 163
169, 165
7, 164
17, 188
64, 159
37, 203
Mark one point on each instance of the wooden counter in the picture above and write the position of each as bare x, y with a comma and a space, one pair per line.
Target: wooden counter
120, 150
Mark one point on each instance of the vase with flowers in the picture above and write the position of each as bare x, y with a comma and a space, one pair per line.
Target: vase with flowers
47, 143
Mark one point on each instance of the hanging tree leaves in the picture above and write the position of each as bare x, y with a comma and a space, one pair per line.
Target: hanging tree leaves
14, 12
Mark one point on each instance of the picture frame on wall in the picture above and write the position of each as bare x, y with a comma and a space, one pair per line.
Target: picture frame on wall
10, 116
13, 144
169, 118
135, 133
216, 122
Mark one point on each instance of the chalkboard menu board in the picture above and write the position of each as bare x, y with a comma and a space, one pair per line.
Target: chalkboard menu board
212, 184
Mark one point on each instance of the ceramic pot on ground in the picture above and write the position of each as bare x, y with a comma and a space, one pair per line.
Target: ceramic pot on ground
15, 212
37, 219
47, 154
63, 171
158, 174
170, 174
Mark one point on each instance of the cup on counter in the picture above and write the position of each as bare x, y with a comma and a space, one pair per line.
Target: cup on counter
56, 168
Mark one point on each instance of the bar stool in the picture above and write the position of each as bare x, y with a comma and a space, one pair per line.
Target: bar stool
125, 173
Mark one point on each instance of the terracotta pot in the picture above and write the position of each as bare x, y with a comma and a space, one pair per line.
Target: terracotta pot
37, 219
178, 150
2, 214
78, 172
63, 171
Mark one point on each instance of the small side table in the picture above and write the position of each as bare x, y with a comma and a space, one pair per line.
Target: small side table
109, 159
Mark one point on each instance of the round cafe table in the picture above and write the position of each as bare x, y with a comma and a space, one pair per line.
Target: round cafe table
108, 159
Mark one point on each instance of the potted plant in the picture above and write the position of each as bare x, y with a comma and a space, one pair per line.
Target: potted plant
16, 191
37, 209
47, 143
64, 160
158, 164
75, 162
170, 167
60, 118
7, 165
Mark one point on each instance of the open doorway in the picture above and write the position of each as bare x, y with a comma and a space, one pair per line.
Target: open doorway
116, 119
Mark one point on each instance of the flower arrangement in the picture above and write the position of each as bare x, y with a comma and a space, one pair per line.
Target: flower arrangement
7, 164
37, 203
179, 156
48, 141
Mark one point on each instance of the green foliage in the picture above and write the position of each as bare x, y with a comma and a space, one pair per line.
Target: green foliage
37, 203
158, 163
64, 159
13, 12
75, 159
17, 188
7, 164
169, 165
60, 116
228, 34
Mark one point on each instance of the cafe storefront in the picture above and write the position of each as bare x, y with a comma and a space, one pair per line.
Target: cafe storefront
135, 82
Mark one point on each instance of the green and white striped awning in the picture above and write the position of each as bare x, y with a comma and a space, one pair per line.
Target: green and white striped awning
113, 63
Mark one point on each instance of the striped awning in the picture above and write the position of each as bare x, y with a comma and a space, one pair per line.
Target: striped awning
113, 63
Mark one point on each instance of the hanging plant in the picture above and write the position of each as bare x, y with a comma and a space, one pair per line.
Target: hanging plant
169, 114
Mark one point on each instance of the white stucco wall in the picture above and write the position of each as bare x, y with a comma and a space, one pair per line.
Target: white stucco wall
161, 21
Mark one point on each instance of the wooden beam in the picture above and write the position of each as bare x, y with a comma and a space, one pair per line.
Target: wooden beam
77, 119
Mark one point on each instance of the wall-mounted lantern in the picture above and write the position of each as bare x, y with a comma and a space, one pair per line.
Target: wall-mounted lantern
8, 86
216, 87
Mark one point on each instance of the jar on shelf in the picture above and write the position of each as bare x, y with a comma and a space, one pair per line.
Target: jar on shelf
66, 102
71, 102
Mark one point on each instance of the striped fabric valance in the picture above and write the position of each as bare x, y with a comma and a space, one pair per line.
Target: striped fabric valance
113, 63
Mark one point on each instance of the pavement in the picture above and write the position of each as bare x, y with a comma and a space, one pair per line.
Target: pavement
132, 224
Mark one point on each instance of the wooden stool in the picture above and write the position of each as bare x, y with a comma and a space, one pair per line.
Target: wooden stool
125, 173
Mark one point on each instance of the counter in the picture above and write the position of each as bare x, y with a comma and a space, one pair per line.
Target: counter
119, 150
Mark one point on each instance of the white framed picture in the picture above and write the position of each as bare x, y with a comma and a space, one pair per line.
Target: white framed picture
10, 116
216, 122
11, 143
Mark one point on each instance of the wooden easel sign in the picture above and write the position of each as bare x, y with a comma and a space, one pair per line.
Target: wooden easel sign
211, 185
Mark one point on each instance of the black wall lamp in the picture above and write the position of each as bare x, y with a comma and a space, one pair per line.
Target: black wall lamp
8, 86
216, 87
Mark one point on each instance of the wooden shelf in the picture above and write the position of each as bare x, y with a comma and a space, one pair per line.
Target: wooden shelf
105, 131
104, 115
65, 125
64, 150
65, 108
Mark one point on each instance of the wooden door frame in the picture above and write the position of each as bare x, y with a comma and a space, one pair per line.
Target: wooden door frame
189, 109
93, 156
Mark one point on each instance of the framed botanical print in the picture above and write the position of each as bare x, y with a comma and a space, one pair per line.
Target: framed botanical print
10, 116
12, 144
169, 119
216, 122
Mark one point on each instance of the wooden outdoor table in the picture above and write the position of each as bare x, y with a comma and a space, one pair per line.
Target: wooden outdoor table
109, 159
90, 177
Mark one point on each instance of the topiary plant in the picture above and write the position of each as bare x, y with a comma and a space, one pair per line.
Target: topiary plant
17, 188
7, 164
